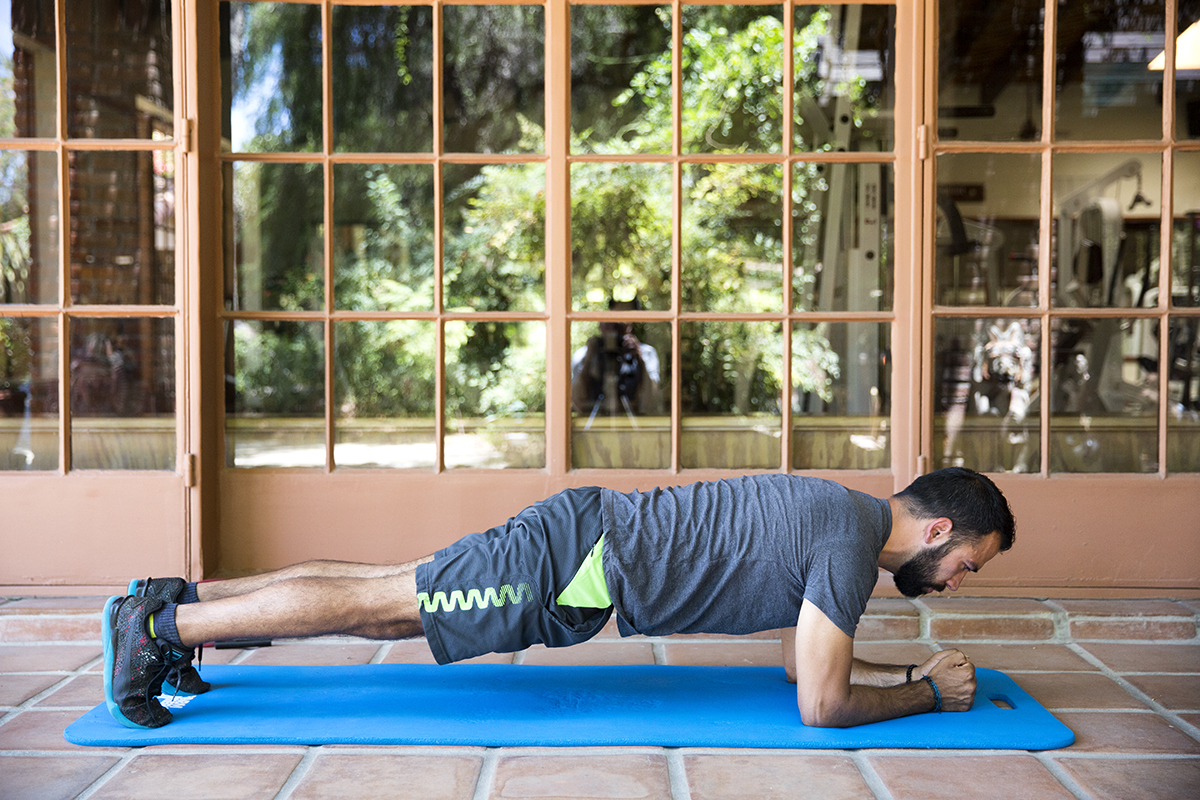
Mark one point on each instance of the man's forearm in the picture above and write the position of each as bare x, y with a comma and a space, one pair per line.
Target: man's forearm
865, 673
867, 704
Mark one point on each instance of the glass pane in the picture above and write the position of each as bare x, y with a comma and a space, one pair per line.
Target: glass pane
276, 242
990, 69
1187, 71
842, 237
28, 70
732, 79
28, 227
383, 236
271, 75
621, 230
621, 394
1183, 401
495, 237
495, 394
493, 79
988, 207
122, 227
1106, 88
986, 379
123, 394
730, 395
732, 237
1104, 396
384, 394
383, 79
621, 79
119, 81
1185, 240
845, 69
841, 395
28, 394
1107, 223
275, 395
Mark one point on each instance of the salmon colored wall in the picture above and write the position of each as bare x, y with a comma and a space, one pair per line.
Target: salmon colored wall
429, 512
1107, 532
1101, 530
113, 528
1132, 534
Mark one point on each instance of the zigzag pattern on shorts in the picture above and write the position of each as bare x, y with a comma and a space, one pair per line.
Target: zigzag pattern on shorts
474, 598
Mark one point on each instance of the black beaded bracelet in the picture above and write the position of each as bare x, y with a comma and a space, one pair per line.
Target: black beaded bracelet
937, 696
908, 675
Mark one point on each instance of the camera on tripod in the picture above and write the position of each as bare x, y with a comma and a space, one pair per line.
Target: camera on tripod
621, 371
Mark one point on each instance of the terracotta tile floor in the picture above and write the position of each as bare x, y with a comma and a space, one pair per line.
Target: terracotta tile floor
1123, 674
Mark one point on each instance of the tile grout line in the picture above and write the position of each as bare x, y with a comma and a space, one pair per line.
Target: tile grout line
381, 653
487, 773
1062, 776
54, 687
241, 656
1169, 715
108, 775
872, 778
298, 773
1101, 756
677, 774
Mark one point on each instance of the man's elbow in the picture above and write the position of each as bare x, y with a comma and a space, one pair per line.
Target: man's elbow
823, 712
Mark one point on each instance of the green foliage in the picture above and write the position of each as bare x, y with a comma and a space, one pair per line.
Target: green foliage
14, 210
14, 259
280, 368
384, 369
14, 352
494, 215
384, 243
495, 369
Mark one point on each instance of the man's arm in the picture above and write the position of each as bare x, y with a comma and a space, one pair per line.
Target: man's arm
823, 666
865, 673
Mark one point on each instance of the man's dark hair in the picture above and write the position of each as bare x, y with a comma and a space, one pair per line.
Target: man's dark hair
969, 500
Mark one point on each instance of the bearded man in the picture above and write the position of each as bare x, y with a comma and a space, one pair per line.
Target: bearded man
733, 556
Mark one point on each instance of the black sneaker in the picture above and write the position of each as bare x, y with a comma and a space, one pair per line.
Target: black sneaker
168, 590
134, 666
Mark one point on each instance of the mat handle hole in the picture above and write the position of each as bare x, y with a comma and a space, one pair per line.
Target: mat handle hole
1000, 701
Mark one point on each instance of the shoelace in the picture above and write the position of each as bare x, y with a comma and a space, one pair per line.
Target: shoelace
171, 668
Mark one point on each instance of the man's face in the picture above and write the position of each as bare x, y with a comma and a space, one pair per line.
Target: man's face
945, 566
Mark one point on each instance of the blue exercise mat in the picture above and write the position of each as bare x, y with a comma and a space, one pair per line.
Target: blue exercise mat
507, 706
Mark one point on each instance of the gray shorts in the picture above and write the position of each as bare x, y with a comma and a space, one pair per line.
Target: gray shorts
494, 592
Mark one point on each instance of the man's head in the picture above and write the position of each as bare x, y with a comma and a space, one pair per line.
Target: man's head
620, 328
966, 521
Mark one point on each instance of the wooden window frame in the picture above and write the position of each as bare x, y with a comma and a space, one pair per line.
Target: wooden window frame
1047, 146
559, 314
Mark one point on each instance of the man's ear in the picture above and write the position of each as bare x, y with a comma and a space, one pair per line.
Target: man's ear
938, 530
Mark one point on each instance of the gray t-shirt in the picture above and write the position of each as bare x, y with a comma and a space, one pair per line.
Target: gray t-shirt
738, 556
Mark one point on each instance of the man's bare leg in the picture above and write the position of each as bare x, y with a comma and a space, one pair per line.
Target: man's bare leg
313, 598
217, 590
383, 607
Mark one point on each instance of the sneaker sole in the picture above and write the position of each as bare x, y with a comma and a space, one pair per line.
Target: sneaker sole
108, 633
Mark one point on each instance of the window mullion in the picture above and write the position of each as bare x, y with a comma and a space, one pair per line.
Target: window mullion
439, 366
558, 235
327, 172
785, 407
676, 231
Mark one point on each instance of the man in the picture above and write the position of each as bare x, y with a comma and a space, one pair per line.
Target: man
732, 556
615, 373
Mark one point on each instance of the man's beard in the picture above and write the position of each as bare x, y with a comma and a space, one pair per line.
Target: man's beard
919, 574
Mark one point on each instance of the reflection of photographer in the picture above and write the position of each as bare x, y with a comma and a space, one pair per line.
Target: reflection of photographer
615, 373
